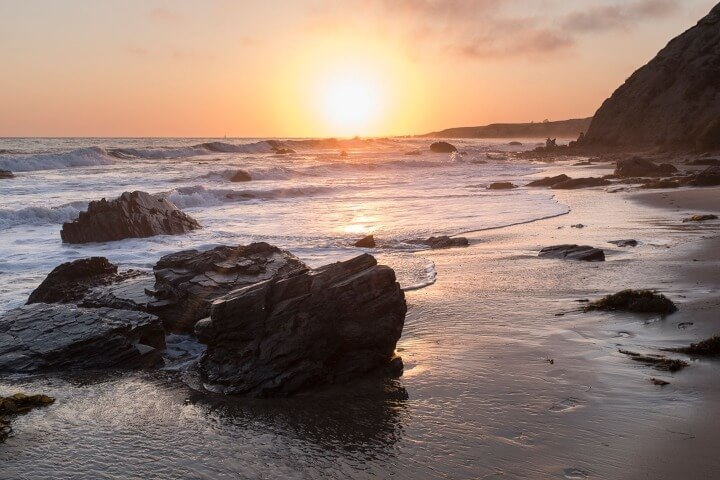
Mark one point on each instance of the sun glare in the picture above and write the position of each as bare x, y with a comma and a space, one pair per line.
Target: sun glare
350, 103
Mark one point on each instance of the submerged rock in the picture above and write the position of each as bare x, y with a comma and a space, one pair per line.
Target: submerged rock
6, 174
18, 404
640, 167
366, 242
501, 186
442, 242
549, 181
573, 252
657, 361
637, 301
574, 183
286, 335
443, 147
187, 282
700, 218
132, 215
624, 243
42, 337
240, 176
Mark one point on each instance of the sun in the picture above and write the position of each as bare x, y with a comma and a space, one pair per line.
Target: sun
350, 102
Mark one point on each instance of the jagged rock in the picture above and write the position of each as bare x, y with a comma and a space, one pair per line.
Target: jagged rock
700, 218
501, 186
709, 177
366, 242
132, 215
70, 281
240, 176
575, 183
671, 102
624, 243
187, 282
6, 174
442, 242
442, 147
573, 252
42, 337
549, 181
638, 301
640, 167
285, 335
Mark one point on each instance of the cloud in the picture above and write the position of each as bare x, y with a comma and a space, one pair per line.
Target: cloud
163, 14
610, 17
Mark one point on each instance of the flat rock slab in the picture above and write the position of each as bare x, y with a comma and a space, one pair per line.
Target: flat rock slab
319, 327
42, 337
573, 252
132, 215
624, 243
441, 242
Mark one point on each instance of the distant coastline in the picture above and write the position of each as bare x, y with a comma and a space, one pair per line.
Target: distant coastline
562, 128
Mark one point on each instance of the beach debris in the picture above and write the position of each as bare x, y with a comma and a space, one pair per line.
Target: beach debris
640, 167
442, 242
324, 326
132, 215
42, 337
658, 362
636, 301
659, 382
575, 183
240, 176
367, 241
18, 404
709, 347
549, 181
573, 252
6, 174
624, 243
442, 147
501, 186
700, 218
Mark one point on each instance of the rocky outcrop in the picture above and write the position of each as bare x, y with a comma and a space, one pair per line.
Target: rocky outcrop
673, 101
549, 181
132, 215
442, 242
187, 282
285, 335
240, 176
501, 186
573, 252
442, 147
640, 167
18, 404
710, 177
42, 337
638, 301
365, 242
6, 174
69, 282
575, 183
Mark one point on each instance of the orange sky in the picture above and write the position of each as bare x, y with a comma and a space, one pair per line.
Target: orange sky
317, 67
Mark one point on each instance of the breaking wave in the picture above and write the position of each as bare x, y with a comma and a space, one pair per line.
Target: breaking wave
199, 196
41, 215
83, 157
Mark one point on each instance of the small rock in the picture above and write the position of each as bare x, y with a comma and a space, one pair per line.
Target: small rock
640, 167
442, 147
659, 382
638, 301
577, 225
700, 218
573, 252
515, 144
575, 183
501, 186
6, 174
624, 243
18, 404
241, 176
366, 242
442, 242
549, 181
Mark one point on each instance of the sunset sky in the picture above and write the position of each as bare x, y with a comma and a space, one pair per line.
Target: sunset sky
317, 67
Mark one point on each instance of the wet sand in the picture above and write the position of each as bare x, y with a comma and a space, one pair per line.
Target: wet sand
505, 376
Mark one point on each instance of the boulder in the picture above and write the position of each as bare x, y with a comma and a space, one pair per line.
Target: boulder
366, 242
549, 181
624, 243
709, 177
240, 176
638, 301
187, 282
673, 101
132, 215
501, 186
640, 167
42, 337
6, 174
319, 327
575, 183
573, 252
442, 242
442, 147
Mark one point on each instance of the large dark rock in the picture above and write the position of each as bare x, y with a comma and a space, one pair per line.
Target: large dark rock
501, 186
366, 242
640, 167
132, 215
187, 282
710, 177
673, 101
240, 176
549, 181
573, 252
575, 183
6, 174
285, 335
442, 242
442, 147
69, 282
42, 337
638, 301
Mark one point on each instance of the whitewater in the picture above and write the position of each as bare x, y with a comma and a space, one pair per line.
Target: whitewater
315, 202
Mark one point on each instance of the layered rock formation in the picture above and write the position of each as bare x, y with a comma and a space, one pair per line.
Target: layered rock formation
673, 101
319, 327
573, 252
42, 337
132, 215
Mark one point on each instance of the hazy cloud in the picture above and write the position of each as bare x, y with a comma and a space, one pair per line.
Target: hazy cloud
164, 15
610, 17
